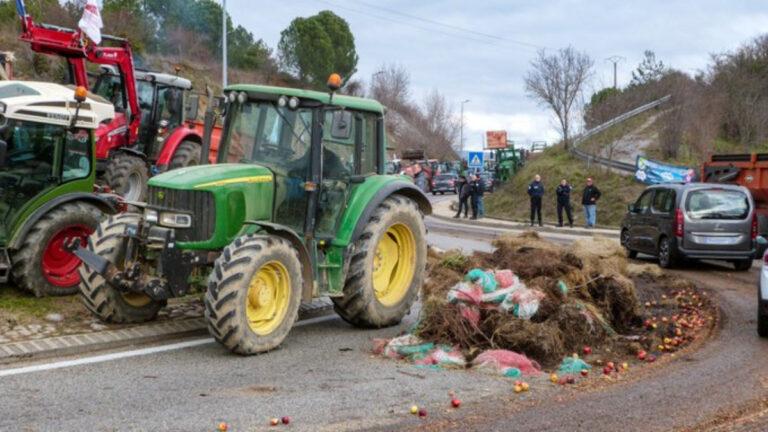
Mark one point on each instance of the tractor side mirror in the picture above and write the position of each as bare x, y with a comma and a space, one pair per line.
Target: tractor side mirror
3, 152
193, 105
341, 126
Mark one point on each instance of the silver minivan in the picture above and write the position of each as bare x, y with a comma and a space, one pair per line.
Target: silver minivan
692, 221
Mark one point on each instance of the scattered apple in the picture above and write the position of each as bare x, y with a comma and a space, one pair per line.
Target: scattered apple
223, 426
553, 378
664, 319
274, 422
286, 420
525, 387
655, 326
641, 355
518, 388
414, 409
455, 403
607, 370
625, 366
452, 393
647, 304
584, 372
569, 379
422, 413
587, 350
610, 365
651, 358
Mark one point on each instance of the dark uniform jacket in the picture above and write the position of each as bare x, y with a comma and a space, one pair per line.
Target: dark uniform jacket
564, 194
536, 189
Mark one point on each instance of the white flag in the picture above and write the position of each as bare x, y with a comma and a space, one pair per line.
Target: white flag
91, 23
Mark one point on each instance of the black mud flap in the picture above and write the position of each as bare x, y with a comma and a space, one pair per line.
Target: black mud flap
5, 266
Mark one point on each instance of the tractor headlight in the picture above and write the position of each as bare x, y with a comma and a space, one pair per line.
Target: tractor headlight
293, 103
150, 216
175, 220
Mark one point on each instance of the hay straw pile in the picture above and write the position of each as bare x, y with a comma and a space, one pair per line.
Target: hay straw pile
600, 304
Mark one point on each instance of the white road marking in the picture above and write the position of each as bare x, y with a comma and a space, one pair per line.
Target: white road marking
133, 353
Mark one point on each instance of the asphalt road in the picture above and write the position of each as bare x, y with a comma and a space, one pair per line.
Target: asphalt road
325, 379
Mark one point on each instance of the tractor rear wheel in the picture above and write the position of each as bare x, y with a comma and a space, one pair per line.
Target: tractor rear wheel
254, 293
387, 266
128, 175
101, 298
188, 154
41, 265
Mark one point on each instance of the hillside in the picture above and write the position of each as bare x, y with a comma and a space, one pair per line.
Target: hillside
554, 164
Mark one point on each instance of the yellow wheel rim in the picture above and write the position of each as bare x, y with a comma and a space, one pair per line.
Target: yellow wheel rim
136, 299
393, 264
268, 296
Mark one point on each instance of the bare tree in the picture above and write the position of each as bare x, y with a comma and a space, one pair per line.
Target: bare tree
557, 81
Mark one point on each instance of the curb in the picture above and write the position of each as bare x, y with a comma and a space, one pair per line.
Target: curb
136, 335
500, 224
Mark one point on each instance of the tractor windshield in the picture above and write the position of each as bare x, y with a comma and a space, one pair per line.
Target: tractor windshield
279, 139
29, 167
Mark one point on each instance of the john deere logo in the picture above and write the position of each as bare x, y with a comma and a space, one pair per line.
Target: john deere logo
160, 195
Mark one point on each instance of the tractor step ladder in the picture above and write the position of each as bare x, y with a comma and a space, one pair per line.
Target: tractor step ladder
5, 266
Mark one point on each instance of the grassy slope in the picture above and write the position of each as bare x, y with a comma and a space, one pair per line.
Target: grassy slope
554, 164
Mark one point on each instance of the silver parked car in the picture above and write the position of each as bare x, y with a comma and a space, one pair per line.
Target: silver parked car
693, 221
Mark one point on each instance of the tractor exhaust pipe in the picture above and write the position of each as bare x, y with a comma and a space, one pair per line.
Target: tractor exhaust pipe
210, 118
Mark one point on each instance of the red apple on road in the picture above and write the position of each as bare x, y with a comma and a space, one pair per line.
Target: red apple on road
641, 355
587, 350
455, 403
584, 372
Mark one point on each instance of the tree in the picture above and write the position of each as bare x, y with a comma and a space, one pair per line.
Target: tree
649, 70
556, 81
315, 47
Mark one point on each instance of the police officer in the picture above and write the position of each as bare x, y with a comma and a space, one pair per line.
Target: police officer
564, 202
536, 191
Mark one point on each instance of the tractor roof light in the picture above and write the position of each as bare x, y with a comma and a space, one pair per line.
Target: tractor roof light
293, 103
242, 97
282, 101
81, 94
334, 82
232, 97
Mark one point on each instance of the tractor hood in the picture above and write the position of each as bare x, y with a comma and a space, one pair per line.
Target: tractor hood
211, 177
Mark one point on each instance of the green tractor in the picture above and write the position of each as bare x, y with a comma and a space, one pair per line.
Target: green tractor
298, 206
508, 162
47, 183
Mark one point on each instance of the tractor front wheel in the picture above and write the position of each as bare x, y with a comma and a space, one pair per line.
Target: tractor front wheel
128, 176
387, 266
254, 293
101, 298
188, 154
41, 265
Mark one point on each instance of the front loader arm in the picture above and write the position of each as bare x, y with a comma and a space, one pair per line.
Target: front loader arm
75, 47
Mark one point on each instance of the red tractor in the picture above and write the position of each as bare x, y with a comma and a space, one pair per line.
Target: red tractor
153, 129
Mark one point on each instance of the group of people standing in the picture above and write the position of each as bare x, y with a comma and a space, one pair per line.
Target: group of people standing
589, 198
471, 192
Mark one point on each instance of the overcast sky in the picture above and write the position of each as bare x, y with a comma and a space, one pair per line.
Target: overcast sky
481, 50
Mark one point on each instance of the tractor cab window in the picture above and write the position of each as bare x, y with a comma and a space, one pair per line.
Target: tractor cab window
170, 106
29, 167
110, 87
277, 138
76, 159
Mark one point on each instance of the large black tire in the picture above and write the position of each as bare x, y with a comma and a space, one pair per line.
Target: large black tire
103, 300
128, 175
28, 261
631, 254
187, 154
743, 265
229, 296
667, 254
360, 305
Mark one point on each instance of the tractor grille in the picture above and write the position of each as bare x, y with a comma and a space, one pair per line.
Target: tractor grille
201, 204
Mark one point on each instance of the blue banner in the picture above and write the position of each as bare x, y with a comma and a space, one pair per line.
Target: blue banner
20, 8
651, 172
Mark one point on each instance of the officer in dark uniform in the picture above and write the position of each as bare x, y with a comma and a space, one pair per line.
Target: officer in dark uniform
564, 202
536, 191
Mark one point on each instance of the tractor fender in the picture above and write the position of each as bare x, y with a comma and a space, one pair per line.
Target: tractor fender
130, 151
179, 135
398, 187
291, 236
101, 203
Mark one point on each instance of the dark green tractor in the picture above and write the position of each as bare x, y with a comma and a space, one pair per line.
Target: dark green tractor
298, 206
47, 183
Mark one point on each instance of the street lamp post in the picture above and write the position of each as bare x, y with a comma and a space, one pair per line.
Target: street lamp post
224, 44
461, 134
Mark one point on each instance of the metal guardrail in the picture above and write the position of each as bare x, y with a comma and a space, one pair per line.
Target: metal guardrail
623, 166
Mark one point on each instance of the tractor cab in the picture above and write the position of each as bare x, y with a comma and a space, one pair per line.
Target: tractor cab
162, 99
46, 150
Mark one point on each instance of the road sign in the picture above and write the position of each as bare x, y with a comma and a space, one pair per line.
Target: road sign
496, 140
475, 160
